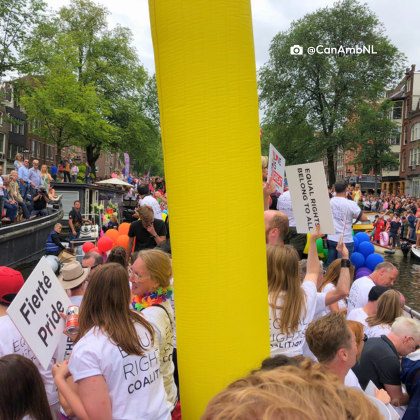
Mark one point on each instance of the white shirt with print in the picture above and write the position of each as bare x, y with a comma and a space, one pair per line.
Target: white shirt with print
359, 293
11, 342
340, 207
292, 344
377, 330
134, 383
284, 204
341, 304
358, 315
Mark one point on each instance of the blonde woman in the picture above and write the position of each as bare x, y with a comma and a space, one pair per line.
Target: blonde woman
46, 177
150, 276
14, 194
291, 303
18, 162
389, 308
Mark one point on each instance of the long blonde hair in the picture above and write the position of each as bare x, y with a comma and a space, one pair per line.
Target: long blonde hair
300, 393
333, 274
389, 308
42, 169
284, 285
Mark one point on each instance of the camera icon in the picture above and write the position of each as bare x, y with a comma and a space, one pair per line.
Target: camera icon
296, 50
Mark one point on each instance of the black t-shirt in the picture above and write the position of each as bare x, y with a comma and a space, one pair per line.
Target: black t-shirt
40, 203
394, 227
144, 240
76, 218
379, 363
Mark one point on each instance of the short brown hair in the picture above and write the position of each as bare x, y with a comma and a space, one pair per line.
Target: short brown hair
281, 223
300, 393
146, 213
327, 335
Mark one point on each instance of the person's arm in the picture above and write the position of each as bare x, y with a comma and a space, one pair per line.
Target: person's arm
268, 189
46, 198
56, 239
161, 197
129, 248
343, 284
95, 398
312, 269
37, 197
72, 226
158, 239
398, 398
73, 399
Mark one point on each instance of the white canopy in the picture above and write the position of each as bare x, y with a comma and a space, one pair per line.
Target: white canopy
115, 182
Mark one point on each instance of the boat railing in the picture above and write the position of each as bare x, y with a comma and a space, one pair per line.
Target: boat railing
411, 313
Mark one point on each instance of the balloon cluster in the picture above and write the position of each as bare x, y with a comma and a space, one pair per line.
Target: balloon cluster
111, 239
364, 258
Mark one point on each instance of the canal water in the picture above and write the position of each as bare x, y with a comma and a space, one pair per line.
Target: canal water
408, 281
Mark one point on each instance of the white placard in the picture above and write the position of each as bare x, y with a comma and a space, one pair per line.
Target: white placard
35, 312
276, 165
370, 392
310, 199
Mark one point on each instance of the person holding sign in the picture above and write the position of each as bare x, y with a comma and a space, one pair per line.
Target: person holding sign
115, 361
292, 303
12, 342
343, 212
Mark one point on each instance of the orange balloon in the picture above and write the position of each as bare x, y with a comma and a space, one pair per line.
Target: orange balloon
123, 241
113, 234
124, 228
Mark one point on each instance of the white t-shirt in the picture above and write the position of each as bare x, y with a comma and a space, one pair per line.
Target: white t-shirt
351, 380
163, 326
292, 345
284, 204
339, 207
377, 330
358, 315
341, 304
74, 170
359, 293
134, 383
1, 189
152, 202
76, 300
172, 302
11, 342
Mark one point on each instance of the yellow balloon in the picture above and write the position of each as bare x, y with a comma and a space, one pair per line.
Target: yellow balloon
308, 237
207, 87
164, 216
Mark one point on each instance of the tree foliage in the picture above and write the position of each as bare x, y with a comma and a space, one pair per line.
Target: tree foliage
369, 133
324, 87
19, 20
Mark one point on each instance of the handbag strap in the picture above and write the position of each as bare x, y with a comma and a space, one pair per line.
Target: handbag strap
161, 306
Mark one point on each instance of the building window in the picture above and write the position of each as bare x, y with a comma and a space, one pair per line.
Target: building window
38, 149
22, 128
403, 162
405, 134
397, 110
47, 152
415, 132
2, 142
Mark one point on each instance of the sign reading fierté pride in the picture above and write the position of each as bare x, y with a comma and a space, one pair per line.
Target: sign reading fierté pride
276, 165
310, 199
35, 312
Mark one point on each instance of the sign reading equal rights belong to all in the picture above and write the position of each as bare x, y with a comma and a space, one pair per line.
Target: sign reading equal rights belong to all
35, 312
310, 199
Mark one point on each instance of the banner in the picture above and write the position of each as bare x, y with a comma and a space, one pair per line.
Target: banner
310, 199
127, 165
35, 312
148, 174
276, 165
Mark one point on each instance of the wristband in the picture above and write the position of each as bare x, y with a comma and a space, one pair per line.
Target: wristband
345, 263
155, 235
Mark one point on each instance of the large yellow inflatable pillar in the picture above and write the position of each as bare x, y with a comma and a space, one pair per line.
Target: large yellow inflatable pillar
205, 68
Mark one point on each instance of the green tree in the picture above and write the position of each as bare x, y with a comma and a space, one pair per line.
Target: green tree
324, 87
369, 132
19, 21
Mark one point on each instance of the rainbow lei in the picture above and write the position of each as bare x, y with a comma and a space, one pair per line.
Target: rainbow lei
162, 294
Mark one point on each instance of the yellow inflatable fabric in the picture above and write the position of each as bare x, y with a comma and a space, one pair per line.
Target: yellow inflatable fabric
206, 78
308, 239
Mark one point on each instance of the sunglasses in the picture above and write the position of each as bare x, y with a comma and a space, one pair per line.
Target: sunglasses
365, 338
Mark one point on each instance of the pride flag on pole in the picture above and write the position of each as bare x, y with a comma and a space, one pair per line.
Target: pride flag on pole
127, 165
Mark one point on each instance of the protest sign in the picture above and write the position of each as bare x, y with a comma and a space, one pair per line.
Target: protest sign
35, 312
276, 165
310, 199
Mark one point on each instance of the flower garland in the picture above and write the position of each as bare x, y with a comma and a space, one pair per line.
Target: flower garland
162, 294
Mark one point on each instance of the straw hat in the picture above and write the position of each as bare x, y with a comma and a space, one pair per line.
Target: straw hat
72, 274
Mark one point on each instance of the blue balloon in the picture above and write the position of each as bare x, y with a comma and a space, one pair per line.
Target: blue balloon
165, 211
362, 272
358, 260
366, 248
356, 243
373, 260
362, 237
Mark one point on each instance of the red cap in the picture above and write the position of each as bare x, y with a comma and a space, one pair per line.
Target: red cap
11, 281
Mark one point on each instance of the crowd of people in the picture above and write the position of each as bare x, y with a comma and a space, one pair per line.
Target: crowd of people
330, 335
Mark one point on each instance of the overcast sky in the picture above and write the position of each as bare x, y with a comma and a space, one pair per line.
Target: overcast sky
269, 18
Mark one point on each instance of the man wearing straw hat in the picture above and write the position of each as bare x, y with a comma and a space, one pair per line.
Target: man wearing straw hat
73, 277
